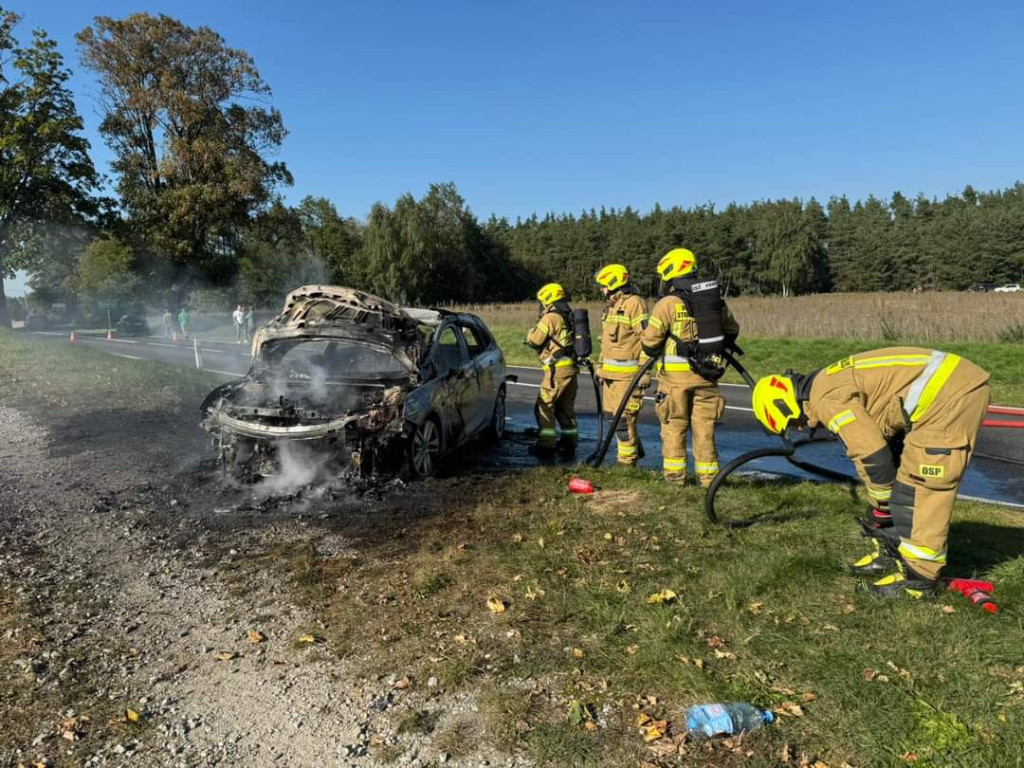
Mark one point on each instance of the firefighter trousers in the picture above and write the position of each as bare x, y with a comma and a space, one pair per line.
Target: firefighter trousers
612, 393
935, 457
556, 407
683, 407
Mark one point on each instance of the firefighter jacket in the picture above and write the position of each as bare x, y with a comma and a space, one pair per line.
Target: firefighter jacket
670, 318
870, 398
622, 325
552, 338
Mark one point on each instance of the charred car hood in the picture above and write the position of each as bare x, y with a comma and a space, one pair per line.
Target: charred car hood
330, 311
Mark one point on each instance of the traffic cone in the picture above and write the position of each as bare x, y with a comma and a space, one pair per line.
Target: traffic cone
72, 337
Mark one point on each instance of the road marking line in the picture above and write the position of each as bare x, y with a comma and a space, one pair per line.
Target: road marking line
130, 357
224, 373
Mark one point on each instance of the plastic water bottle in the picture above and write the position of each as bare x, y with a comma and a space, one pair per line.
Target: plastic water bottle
707, 720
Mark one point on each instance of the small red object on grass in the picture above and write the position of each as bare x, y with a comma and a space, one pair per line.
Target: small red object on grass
978, 592
579, 485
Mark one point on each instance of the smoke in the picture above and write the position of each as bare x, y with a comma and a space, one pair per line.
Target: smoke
299, 467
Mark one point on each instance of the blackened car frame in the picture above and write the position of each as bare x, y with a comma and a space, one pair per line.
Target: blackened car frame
369, 385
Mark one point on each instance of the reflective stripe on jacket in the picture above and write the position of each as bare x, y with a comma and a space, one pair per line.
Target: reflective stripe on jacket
670, 315
552, 337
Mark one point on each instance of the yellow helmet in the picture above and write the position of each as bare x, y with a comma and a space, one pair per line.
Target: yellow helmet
550, 293
775, 403
676, 263
612, 277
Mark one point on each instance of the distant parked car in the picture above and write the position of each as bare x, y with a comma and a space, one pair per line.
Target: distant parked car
36, 322
130, 325
1011, 288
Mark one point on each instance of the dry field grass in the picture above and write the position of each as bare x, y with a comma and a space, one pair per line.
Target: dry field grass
920, 318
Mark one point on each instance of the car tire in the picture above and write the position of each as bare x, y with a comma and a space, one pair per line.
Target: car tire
425, 449
496, 427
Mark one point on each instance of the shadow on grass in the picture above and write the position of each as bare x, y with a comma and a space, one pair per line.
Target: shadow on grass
979, 547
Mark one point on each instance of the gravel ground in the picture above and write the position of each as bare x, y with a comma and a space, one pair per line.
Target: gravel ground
120, 547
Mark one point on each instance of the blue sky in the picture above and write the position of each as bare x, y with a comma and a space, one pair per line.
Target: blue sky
560, 106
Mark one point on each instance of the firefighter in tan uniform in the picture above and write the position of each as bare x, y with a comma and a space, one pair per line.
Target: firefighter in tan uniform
687, 330
622, 325
934, 402
552, 339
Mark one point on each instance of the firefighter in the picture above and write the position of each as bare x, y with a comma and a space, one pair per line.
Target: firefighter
929, 402
687, 331
552, 339
623, 323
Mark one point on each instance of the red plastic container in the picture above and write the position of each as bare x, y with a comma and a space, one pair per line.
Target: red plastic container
961, 584
981, 600
579, 485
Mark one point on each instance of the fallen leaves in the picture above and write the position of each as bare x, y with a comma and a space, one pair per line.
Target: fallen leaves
532, 593
623, 587
496, 605
664, 596
577, 653
309, 639
651, 729
131, 716
632, 649
255, 636
226, 655
790, 708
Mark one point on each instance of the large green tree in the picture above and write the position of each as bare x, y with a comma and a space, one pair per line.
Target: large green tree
46, 176
193, 134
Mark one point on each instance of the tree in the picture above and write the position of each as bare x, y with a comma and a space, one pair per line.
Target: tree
105, 270
332, 239
276, 258
183, 115
46, 175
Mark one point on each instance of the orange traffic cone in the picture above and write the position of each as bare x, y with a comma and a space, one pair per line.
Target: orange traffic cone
72, 337
110, 335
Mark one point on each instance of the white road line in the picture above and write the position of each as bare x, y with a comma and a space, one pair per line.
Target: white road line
224, 373
983, 500
130, 357
649, 399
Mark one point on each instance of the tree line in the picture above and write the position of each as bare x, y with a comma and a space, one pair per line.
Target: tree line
194, 204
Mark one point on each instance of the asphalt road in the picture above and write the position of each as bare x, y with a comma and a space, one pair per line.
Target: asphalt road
995, 472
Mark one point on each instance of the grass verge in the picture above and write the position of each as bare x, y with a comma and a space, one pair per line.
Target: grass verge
540, 602
58, 375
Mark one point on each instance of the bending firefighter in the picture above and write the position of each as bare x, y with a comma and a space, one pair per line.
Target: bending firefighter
688, 330
909, 419
552, 339
622, 325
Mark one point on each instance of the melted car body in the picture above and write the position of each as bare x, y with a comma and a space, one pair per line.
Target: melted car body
367, 384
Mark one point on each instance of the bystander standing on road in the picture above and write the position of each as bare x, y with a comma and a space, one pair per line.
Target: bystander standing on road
250, 324
238, 318
183, 319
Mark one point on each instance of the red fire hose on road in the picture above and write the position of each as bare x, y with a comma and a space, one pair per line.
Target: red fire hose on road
1005, 411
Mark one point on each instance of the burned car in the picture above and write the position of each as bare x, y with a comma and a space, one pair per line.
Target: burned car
366, 384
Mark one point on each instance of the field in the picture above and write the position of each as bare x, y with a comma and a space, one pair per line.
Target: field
494, 615
808, 332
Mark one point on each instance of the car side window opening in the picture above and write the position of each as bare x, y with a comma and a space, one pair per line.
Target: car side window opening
449, 353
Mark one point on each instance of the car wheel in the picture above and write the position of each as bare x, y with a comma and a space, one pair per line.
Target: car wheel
496, 427
425, 449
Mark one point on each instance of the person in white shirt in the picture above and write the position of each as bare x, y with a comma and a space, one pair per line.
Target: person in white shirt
239, 318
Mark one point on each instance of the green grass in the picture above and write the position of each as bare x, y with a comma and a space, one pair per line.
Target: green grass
59, 375
765, 615
1004, 362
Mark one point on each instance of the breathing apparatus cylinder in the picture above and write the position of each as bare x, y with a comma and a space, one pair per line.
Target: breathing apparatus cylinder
583, 345
703, 300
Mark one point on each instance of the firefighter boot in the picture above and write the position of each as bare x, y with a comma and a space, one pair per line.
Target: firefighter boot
903, 582
875, 563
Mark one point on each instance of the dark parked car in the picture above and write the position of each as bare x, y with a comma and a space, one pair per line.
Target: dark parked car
131, 325
367, 384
